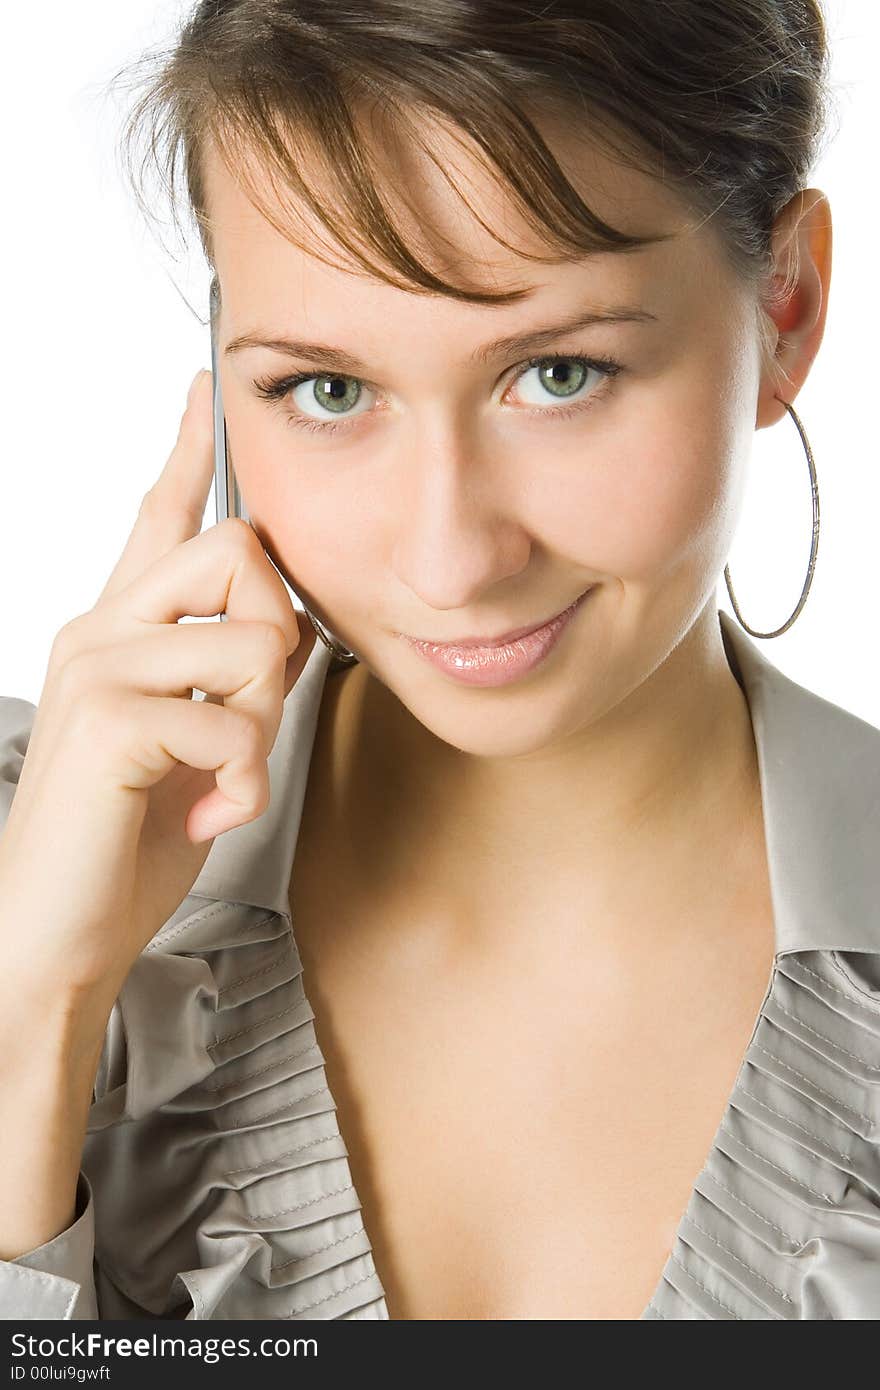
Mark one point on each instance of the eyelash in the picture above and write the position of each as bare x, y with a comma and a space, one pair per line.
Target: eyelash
276, 388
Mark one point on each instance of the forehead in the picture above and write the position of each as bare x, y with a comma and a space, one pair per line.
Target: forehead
270, 283
456, 234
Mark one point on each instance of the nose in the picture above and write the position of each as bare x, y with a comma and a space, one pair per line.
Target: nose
456, 528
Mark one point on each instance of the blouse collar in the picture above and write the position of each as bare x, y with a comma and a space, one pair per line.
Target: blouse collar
819, 768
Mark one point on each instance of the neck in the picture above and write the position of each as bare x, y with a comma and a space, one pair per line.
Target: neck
610, 817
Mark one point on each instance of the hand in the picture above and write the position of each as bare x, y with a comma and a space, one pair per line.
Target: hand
127, 778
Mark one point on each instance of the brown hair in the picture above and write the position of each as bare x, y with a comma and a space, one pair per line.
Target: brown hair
725, 100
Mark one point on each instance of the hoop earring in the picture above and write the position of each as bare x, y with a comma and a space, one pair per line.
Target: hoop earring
340, 653
813, 548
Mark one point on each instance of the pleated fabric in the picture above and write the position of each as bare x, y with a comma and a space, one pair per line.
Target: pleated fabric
784, 1219
213, 1140
222, 1159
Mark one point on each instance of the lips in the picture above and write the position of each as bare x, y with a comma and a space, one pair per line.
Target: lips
501, 662
502, 640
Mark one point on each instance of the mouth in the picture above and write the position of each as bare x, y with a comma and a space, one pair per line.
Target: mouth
498, 660
499, 641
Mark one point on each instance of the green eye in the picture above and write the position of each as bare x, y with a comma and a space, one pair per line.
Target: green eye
562, 377
336, 393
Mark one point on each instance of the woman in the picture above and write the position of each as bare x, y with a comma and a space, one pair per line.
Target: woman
544, 985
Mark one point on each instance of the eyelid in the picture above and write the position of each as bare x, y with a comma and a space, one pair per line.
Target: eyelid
310, 374
276, 389
607, 367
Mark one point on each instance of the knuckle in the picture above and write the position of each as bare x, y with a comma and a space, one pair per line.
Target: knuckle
75, 675
238, 533
114, 717
260, 793
151, 504
261, 802
67, 641
95, 713
247, 734
158, 503
276, 642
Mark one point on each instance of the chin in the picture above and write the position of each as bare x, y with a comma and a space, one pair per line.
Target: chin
512, 721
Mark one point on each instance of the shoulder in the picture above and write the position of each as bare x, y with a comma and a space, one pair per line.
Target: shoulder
822, 757
835, 829
812, 712
16, 721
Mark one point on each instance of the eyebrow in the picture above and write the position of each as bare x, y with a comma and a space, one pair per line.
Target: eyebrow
337, 359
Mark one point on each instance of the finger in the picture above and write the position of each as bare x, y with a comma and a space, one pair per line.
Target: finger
223, 568
212, 739
296, 662
172, 510
243, 662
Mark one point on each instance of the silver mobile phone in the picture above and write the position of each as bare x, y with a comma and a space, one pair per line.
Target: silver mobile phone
229, 501
227, 498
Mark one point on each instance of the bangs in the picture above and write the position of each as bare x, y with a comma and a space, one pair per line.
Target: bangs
322, 148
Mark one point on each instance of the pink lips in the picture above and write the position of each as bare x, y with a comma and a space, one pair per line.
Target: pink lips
500, 661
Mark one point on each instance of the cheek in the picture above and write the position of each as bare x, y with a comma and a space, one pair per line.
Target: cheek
654, 488
309, 521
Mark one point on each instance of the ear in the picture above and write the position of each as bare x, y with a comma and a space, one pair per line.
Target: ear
795, 300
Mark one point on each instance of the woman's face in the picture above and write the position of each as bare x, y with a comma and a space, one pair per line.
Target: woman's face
454, 490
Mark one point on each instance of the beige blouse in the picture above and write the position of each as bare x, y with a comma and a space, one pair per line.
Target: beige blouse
214, 1174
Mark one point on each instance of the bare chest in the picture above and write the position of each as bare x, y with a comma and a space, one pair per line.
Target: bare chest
525, 1126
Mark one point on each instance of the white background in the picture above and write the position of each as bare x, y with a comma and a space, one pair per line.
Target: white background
99, 350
